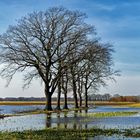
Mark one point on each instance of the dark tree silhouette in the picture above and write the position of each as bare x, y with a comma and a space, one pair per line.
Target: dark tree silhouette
39, 43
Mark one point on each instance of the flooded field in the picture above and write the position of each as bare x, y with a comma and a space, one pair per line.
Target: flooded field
12, 109
71, 119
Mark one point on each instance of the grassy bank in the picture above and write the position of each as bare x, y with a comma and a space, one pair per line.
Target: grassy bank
63, 134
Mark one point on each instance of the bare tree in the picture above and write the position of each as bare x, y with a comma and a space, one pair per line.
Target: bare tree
80, 87
65, 81
32, 46
97, 66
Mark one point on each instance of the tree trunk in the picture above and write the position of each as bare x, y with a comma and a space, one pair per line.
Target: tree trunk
59, 84
79, 93
49, 102
74, 87
86, 96
80, 97
74, 93
86, 93
48, 98
65, 101
65, 88
59, 95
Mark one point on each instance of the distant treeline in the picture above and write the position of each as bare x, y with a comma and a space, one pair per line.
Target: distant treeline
23, 99
30, 99
125, 99
92, 97
113, 98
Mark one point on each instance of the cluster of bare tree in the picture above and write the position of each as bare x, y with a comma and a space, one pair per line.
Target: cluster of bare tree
58, 47
99, 97
125, 99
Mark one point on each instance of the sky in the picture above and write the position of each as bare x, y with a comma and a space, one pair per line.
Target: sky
116, 22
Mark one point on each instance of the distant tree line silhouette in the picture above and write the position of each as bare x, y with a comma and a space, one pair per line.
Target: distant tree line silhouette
113, 98
91, 97
125, 99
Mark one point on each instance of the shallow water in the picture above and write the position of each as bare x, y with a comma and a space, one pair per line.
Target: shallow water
115, 137
116, 122
71, 119
12, 109
112, 109
41, 121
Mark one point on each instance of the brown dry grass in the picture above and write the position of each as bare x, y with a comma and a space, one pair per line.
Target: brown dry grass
54, 103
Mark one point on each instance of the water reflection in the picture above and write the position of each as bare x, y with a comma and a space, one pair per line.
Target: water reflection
74, 120
114, 137
7, 109
66, 120
48, 120
71, 119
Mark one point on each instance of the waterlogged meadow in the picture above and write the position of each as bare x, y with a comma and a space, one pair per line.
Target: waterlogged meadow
110, 121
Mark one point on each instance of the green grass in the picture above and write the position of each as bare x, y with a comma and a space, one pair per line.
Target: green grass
59, 134
66, 134
108, 114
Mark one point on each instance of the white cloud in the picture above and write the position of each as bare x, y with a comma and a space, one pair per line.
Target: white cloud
125, 85
15, 88
104, 7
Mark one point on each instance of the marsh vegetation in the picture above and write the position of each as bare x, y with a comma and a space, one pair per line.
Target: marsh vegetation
109, 118
100, 122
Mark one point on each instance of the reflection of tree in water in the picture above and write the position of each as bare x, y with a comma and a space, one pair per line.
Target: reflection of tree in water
86, 110
75, 122
65, 118
48, 120
86, 125
75, 119
58, 120
75, 113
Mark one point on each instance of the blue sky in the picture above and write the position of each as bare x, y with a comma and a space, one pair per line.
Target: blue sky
116, 21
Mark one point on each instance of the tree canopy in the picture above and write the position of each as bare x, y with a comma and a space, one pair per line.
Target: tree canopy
54, 46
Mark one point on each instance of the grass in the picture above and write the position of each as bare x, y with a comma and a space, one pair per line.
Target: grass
134, 105
59, 134
70, 102
108, 114
110, 103
66, 134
